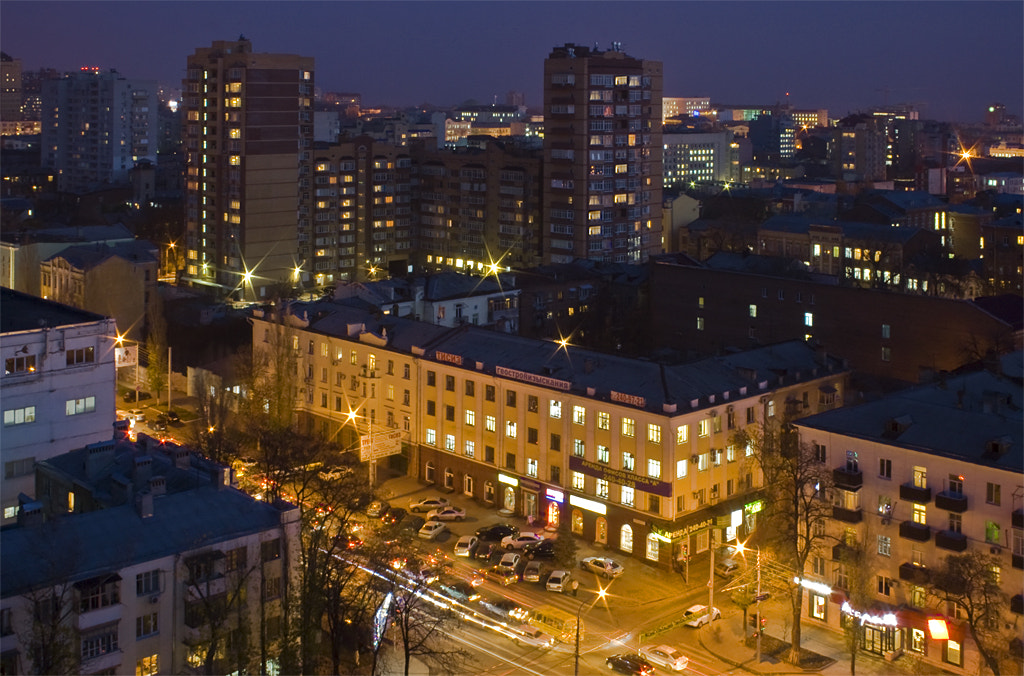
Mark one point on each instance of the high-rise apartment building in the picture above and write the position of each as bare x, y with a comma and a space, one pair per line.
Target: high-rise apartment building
10, 79
248, 128
96, 126
602, 155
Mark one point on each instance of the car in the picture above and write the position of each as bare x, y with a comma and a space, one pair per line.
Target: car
347, 541
726, 568
496, 532
502, 575
129, 396
559, 581
502, 608
510, 542
600, 565
532, 572
545, 549
411, 523
137, 414
393, 515
449, 513
466, 546
160, 424
377, 509
524, 634
665, 656
427, 504
510, 561
458, 590
173, 417
431, 529
629, 663
485, 551
334, 473
698, 616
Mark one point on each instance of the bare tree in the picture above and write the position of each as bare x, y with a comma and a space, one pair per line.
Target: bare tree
853, 555
156, 346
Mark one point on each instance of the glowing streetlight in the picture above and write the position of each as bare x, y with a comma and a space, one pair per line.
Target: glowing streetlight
601, 592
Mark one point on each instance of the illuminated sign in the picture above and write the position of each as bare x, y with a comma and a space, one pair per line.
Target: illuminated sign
813, 586
618, 476
889, 619
938, 629
450, 358
557, 496
506, 479
683, 532
532, 378
753, 507
631, 399
379, 445
589, 505
126, 356
380, 620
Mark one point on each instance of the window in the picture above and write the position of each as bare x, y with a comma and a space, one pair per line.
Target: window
449, 442
406, 398
917, 639
885, 468
449, 383
886, 353
602, 454
818, 566
17, 468
628, 461
920, 514
85, 355
702, 462
628, 496
852, 463
579, 448
884, 545
431, 408
490, 424
956, 484
430, 437
470, 418
704, 428
884, 585
236, 559
271, 587
101, 594
470, 449
700, 323
886, 331
79, 406
510, 398
956, 522
531, 467
920, 477
99, 641
147, 666
602, 488
954, 652
808, 319
25, 364
654, 433
489, 454
577, 480
752, 310
531, 403
531, 435
405, 371
604, 421
470, 388
992, 494
682, 434
20, 416
270, 550
918, 596
146, 625
628, 427
147, 583
771, 409
556, 475
654, 468
750, 415
556, 442
431, 378
682, 467
555, 409
992, 532
510, 429
449, 413
489, 392
842, 577
579, 415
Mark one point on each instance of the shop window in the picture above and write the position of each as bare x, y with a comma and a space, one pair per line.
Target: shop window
467, 485
653, 549
428, 472
577, 522
449, 479
819, 604
626, 538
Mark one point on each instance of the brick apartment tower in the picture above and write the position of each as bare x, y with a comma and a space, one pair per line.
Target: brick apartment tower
602, 153
248, 125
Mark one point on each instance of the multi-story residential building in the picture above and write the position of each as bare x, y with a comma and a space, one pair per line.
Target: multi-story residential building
693, 106
57, 389
637, 455
10, 92
248, 126
859, 148
697, 157
772, 136
1002, 253
809, 119
602, 155
96, 125
920, 475
157, 561
730, 302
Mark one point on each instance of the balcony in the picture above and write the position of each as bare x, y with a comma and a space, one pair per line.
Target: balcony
99, 616
954, 502
842, 552
846, 478
911, 492
951, 540
847, 515
916, 574
915, 531
1018, 518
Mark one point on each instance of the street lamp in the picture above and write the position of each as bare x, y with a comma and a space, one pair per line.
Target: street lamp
757, 598
600, 595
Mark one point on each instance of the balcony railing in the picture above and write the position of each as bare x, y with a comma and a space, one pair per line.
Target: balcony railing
915, 531
846, 478
951, 540
1017, 518
911, 492
847, 515
911, 573
954, 502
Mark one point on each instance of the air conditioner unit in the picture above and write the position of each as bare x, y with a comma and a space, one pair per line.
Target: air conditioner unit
996, 550
695, 458
154, 599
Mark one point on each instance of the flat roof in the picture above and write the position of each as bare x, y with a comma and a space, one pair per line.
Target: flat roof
24, 312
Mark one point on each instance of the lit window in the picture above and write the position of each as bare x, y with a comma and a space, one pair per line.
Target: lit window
579, 415
628, 461
682, 434
602, 454
682, 466
884, 545
510, 429
628, 495
555, 409
578, 480
470, 418
808, 319
531, 467
654, 433
920, 514
431, 437
449, 442
603, 421
490, 423
752, 309
602, 488
654, 468
704, 427
470, 449
628, 427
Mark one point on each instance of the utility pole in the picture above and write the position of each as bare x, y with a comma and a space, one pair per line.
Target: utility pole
758, 611
168, 379
711, 575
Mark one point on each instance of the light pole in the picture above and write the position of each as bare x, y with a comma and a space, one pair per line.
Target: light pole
600, 595
758, 597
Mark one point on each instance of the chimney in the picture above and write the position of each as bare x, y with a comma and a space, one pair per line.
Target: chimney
120, 488
158, 485
219, 476
142, 470
97, 457
144, 504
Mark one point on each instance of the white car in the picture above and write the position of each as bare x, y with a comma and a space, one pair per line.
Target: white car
526, 635
608, 568
664, 656
698, 616
509, 561
511, 542
137, 414
559, 581
466, 546
431, 529
427, 504
449, 513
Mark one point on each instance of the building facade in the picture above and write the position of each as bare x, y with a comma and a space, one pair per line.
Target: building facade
700, 157
921, 475
602, 154
96, 126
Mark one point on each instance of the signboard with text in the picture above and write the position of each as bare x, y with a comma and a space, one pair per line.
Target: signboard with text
127, 355
379, 445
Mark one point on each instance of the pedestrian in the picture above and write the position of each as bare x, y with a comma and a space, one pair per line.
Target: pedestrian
575, 587
529, 520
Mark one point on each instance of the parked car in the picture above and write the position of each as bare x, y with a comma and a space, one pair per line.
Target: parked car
600, 565
449, 513
545, 549
511, 542
393, 515
173, 417
459, 590
503, 608
559, 581
347, 541
524, 634
160, 424
427, 504
377, 509
665, 656
129, 396
630, 663
726, 568
485, 551
466, 546
510, 561
698, 616
137, 414
532, 572
431, 529
502, 575
496, 532
412, 523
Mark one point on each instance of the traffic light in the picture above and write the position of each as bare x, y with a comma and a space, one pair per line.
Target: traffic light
764, 621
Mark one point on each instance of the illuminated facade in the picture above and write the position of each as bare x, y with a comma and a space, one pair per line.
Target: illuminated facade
631, 452
672, 106
925, 473
248, 136
602, 156
697, 157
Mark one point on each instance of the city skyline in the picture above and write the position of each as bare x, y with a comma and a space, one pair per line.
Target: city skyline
922, 53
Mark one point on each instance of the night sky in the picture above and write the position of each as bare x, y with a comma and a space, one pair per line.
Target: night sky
950, 58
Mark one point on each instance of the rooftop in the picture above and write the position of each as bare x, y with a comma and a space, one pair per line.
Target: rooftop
24, 312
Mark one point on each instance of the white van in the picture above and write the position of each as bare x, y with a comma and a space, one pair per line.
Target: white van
726, 568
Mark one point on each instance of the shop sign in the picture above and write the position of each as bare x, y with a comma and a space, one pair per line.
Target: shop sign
557, 496
631, 399
618, 476
532, 378
447, 357
506, 479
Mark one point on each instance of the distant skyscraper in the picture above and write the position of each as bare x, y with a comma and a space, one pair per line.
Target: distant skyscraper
10, 96
96, 126
248, 122
602, 155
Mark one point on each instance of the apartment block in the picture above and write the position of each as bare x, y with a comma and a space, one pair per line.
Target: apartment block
602, 155
57, 389
923, 474
699, 157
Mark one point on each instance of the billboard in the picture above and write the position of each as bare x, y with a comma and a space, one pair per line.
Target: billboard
379, 445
